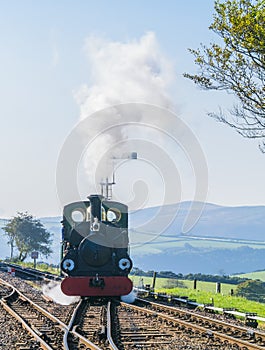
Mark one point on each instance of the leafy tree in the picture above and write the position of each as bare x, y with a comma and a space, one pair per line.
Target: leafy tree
167, 274
252, 290
173, 283
27, 235
10, 230
237, 65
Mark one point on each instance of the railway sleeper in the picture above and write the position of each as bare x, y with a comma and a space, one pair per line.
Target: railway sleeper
146, 344
145, 336
261, 341
37, 331
101, 334
142, 327
43, 332
249, 336
21, 344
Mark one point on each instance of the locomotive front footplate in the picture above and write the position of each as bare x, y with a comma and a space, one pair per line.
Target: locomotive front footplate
96, 286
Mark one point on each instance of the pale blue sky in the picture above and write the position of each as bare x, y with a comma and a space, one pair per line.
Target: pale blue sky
42, 64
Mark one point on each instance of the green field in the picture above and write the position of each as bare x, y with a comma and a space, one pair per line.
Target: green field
220, 300
42, 267
203, 243
221, 244
258, 275
165, 283
205, 294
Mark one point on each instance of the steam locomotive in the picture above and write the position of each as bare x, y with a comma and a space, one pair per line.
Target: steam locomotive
95, 258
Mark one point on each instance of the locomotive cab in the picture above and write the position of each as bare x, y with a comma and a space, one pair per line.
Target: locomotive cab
95, 256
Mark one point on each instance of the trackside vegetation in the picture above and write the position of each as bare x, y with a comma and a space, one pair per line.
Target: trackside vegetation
25, 235
256, 275
235, 63
205, 292
191, 276
219, 300
39, 266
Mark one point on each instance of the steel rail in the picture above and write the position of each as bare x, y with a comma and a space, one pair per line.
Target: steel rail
109, 325
71, 330
202, 317
70, 325
87, 342
67, 329
41, 310
189, 325
8, 285
24, 324
32, 330
45, 276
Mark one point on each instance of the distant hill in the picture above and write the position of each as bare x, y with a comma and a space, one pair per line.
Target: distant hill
246, 222
224, 240
256, 275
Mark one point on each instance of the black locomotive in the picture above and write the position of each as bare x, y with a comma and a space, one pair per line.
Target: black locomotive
95, 255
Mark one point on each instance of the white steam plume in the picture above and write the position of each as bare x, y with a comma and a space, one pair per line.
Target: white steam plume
53, 291
134, 71
129, 298
125, 108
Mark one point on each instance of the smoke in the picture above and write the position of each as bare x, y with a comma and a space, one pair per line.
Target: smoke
126, 107
134, 71
129, 298
53, 291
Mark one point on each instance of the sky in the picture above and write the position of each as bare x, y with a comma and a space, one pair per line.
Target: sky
61, 61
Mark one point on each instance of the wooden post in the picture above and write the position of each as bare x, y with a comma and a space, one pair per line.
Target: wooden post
195, 284
154, 281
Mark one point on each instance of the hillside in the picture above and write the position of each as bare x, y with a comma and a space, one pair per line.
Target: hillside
246, 222
224, 240
256, 275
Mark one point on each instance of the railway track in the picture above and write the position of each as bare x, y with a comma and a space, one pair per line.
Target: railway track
29, 273
136, 329
187, 321
5, 289
62, 312
43, 326
16, 336
105, 324
201, 318
87, 328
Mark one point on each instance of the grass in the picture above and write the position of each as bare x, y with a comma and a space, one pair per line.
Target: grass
258, 275
220, 300
165, 283
206, 294
42, 267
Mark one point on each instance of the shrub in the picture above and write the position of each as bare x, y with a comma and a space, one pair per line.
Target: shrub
252, 290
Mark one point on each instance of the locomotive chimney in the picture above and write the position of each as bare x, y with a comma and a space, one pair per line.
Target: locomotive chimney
95, 206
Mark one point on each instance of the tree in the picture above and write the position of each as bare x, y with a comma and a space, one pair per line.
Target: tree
10, 230
252, 290
27, 235
171, 283
238, 65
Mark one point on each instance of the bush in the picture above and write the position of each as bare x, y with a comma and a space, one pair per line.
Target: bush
252, 290
173, 283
